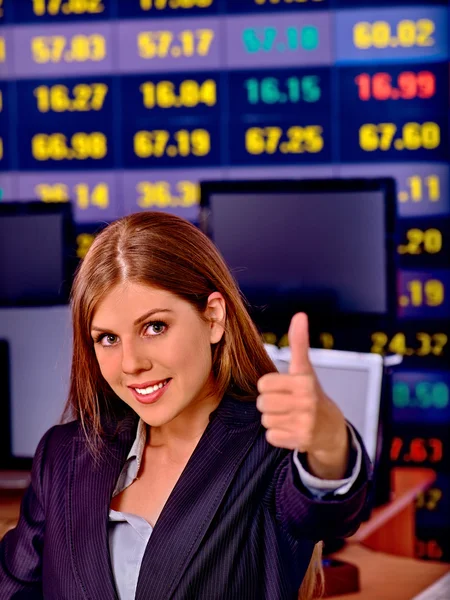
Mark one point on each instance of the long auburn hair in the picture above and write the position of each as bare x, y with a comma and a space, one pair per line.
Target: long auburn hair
168, 253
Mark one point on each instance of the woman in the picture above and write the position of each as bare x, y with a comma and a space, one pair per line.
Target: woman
188, 468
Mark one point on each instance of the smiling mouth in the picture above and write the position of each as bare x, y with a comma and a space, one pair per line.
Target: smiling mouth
151, 389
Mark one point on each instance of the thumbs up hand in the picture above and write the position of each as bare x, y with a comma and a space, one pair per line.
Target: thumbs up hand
297, 413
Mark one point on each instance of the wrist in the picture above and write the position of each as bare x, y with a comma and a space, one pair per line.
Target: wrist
330, 464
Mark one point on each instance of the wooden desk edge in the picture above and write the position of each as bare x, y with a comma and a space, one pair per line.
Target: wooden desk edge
407, 484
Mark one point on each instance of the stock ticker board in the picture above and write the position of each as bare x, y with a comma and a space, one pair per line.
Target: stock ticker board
120, 106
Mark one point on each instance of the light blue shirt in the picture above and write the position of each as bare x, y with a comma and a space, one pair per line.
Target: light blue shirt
129, 533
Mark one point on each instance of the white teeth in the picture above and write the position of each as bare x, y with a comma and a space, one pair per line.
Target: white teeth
151, 389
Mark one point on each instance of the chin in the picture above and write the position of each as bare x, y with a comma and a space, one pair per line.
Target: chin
157, 418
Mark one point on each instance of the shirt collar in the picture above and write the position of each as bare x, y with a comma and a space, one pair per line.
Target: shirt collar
137, 449
132, 464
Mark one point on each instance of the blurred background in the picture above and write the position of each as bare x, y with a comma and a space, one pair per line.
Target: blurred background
108, 107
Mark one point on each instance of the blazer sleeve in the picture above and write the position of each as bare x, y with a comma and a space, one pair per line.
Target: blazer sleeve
305, 515
21, 548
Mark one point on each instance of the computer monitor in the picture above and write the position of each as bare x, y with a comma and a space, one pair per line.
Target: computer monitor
39, 342
37, 253
352, 379
325, 245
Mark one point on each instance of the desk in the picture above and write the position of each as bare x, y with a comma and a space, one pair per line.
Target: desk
12, 487
387, 577
383, 547
391, 527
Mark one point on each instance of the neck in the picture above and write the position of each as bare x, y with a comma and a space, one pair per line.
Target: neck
186, 429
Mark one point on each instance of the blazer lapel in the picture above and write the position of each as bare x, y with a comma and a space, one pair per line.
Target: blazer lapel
196, 497
91, 486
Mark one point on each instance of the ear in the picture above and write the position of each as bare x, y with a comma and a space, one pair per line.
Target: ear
216, 313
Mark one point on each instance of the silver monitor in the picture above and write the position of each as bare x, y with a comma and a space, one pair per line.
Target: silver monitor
352, 379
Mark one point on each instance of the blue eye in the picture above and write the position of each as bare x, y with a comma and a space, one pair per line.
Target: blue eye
159, 325
159, 328
103, 336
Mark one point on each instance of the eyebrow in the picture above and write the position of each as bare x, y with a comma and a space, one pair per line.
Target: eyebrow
141, 318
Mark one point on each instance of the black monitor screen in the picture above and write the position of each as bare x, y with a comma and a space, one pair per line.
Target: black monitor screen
34, 254
305, 240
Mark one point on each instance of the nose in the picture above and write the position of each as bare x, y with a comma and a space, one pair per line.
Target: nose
135, 357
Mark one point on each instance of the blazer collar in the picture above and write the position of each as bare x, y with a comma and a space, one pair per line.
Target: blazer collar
90, 487
182, 524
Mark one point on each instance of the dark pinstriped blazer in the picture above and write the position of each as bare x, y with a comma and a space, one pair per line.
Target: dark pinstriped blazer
238, 525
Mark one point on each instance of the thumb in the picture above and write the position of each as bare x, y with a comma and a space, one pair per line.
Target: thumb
298, 335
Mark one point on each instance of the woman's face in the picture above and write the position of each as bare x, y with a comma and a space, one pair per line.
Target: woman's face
145, 337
